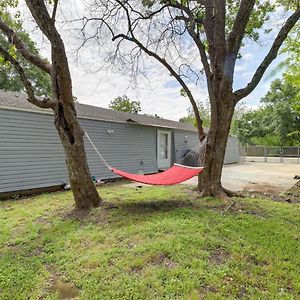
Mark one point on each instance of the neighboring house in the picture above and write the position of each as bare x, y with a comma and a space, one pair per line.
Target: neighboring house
32, 157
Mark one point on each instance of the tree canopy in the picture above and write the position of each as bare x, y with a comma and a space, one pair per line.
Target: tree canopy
9, 78
123, 103
276, 122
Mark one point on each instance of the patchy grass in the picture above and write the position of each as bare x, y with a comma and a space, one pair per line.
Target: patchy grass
149, 243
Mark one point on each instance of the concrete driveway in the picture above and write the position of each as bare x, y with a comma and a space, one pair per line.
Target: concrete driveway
259, 177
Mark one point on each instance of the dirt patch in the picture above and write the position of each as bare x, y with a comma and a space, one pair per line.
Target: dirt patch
77, 214
98, 215
253, 187
65, 290
244, 208
253, 259
219, 256
36, 252
162, 259
287, 197
159, 259
294, 193
136, 269
206, 289
42, 220
241, 293
270, 192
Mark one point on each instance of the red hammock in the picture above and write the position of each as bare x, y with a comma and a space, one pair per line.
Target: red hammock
176, 174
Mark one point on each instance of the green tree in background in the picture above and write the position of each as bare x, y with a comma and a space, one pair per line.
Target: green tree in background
125, 104
9, 79
292, 75
276, 123
204, 112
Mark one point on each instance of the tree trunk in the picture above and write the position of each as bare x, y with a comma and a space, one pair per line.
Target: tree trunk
209, 181
71, 135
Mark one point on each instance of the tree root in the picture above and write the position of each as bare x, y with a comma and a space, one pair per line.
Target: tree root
233, 194
220, 193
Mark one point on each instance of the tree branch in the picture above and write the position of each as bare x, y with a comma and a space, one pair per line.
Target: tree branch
238, 29
22, 48
60, 75
165, 64
54, 10
272, 54
219, 36
45, 103
191, 22
173, 73
209, 26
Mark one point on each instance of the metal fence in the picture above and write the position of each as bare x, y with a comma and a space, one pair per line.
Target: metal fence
271, 154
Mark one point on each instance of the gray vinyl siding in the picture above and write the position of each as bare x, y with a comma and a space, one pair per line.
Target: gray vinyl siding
31, 155
188, 140
183, 141
130, 147
232, 154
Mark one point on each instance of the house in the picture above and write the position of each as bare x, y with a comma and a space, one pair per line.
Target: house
31, 156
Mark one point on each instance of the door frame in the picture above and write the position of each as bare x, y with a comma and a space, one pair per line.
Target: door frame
166, 163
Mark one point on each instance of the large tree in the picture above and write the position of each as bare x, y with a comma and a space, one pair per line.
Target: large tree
61, 101
165, 31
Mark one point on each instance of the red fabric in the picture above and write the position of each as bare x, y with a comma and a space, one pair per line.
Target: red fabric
174, 175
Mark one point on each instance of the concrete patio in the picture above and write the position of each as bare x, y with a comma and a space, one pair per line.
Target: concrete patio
256, 176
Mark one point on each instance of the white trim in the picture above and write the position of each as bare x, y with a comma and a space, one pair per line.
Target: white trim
188, 167
164, 163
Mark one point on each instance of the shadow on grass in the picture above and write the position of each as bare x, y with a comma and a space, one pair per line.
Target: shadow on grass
135, 212
149, 206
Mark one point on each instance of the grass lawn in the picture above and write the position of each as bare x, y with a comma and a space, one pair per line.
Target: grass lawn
149, 243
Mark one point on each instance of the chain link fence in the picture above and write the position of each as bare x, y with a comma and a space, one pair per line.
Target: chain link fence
271, 154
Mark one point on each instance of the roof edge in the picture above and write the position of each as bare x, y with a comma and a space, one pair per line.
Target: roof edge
47, 112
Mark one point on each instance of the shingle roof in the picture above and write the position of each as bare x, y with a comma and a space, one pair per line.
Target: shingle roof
19, 101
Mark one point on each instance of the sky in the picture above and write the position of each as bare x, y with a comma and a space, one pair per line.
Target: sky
159, 93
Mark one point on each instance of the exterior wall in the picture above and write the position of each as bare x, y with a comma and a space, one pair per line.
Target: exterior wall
183, 141
31, 155
188, 140
232, 154
128, 147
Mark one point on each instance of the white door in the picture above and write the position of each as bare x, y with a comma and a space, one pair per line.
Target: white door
163, 149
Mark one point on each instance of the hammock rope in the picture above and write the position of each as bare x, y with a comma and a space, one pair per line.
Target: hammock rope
98, 153
188, 167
